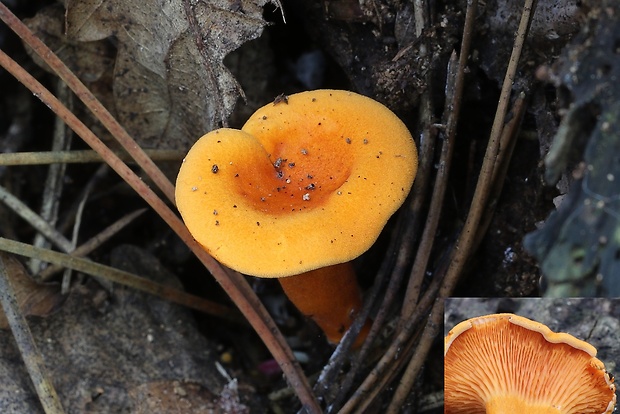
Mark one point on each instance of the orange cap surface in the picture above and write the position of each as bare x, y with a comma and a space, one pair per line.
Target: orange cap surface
303, 185
504, 363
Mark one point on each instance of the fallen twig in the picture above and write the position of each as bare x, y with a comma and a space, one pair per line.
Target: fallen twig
27, 347
80, 156
466, 241
121, 277
94, 242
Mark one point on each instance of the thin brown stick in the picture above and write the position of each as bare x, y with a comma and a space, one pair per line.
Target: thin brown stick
507, 143
54, 183
26, 344
462, 249
102, 171
434, 321
233, 284
326, 387
432, 328
455, 84
94, 242
467, 239
80, 156
42, 226
91, 102
122, 277
65, 285
392, 372
393, 354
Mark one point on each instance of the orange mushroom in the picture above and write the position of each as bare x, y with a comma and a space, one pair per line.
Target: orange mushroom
303, 188
504, 363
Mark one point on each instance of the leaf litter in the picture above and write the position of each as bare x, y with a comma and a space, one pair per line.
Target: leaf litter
169, 82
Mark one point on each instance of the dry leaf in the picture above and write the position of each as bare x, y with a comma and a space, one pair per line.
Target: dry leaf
88, 60
170, 85
34, 299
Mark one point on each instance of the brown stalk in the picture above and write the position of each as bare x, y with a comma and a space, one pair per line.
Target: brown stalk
433, 324
80, 156
464, 243
26, 344
470, 233
54, 183
460, 253
377, 379
507, 143
455, 83
407, 328
94, 242
122, 277
455, 91
233, 283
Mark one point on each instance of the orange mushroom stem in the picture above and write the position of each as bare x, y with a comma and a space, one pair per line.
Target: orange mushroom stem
330, 297
308, 183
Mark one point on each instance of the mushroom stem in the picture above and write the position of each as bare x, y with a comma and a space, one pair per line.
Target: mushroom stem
330, 296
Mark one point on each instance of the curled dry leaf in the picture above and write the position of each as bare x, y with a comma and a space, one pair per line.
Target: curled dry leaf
169, 83
34, 299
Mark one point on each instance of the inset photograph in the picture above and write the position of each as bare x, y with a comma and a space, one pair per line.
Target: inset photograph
530, 355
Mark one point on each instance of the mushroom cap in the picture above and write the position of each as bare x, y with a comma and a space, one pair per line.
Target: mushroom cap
306, 183
504, 363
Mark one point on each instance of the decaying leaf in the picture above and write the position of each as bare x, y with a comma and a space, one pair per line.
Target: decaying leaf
34, 299
88, 60
579, 246
169, 83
